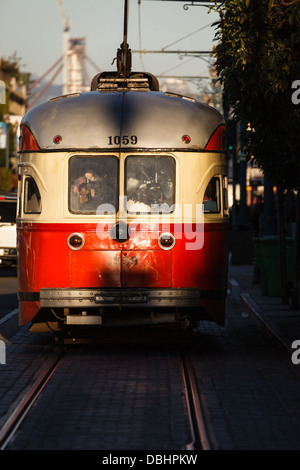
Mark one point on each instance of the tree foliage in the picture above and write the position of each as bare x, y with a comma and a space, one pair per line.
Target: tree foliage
258, 59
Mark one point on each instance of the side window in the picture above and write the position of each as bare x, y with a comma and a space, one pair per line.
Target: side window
211, 200
20, 192
225, 195
32, 197
150, 184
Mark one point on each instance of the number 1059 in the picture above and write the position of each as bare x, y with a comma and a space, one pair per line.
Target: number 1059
126, 260
124, 140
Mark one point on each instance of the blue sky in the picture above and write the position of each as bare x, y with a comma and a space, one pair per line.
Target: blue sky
33, 29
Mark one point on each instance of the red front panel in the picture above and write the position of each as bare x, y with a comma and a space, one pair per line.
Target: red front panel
146, 268
95, 269
205, 268
45, 260
43, 257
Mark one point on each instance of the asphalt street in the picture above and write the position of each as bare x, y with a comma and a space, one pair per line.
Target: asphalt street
8, 301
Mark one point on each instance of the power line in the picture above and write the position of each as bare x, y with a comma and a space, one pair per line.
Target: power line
178, 65
140, 33
208, 2
188, 35
185, 77
197, 3
162, 51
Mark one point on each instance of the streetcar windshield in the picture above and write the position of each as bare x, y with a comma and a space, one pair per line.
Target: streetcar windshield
93, 184
150, 184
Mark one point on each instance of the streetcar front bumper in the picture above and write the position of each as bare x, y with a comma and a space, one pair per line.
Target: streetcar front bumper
85, 298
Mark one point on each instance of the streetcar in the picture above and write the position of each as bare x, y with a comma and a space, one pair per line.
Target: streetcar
122, 212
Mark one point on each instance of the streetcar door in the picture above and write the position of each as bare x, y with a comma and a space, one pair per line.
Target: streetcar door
94, 190
150, 196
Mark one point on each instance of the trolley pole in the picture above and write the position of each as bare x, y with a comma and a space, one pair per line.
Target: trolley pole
125, 35
124, 53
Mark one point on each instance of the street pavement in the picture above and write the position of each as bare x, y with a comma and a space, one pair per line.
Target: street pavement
279, 322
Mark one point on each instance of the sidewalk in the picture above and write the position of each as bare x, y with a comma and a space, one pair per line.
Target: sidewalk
278, 322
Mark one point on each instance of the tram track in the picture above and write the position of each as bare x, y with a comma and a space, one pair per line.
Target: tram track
15, 419
194, 438
197, 422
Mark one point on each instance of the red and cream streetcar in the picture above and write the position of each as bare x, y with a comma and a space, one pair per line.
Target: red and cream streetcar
122, 213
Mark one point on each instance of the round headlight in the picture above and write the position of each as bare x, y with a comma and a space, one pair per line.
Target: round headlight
75, 241
166, 241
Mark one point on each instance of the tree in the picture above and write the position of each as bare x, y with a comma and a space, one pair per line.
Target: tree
258, 60
14, 103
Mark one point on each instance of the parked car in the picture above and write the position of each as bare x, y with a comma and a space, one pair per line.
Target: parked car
8, 233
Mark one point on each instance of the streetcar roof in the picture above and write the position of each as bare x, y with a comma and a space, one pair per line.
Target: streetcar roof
93, 119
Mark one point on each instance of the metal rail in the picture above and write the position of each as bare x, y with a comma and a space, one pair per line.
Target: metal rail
199, 438
199, 434
14, 421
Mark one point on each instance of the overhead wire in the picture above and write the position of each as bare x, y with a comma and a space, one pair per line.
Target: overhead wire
178, 65
171, 44
140, 34
184, 37
188, 35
